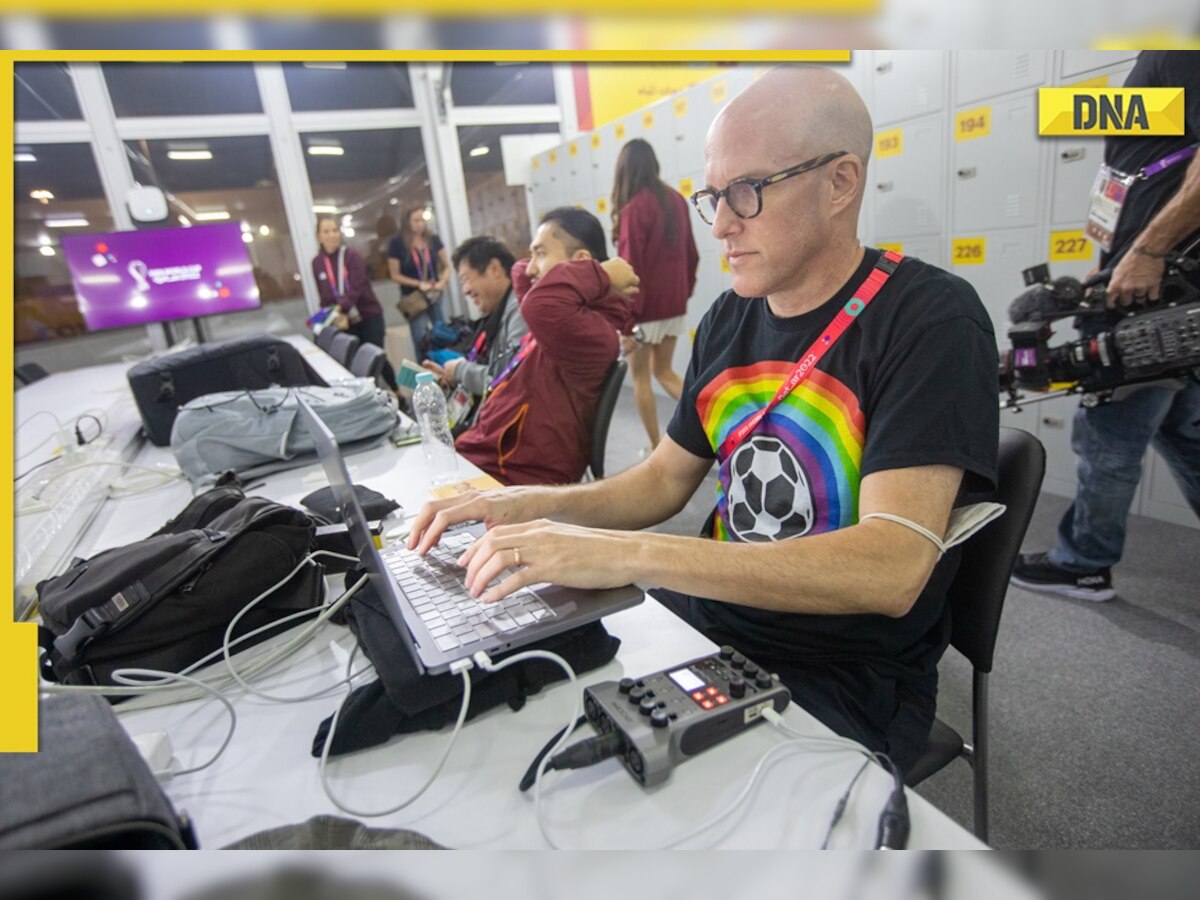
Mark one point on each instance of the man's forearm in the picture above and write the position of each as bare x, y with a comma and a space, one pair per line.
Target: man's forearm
1175, 221
636, 498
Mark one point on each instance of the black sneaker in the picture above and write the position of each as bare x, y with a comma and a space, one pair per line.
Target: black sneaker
1035, 572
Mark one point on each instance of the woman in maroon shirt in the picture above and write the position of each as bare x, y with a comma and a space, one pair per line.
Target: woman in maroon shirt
653, 233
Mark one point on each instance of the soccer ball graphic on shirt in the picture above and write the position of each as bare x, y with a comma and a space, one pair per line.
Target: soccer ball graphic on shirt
769, 496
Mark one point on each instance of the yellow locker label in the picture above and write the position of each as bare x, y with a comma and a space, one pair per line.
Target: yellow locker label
680, 107
724, 263
889, 143
719, 91
572, 149
579, 206
973, 123
595, 140
894, 246
535, 164
552, 156
692, 332
968, 251
685, 187
1066, 246
648, 120
619, 131
601, 204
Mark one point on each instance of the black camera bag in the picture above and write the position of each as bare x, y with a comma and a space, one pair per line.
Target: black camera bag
165, 602
163, 384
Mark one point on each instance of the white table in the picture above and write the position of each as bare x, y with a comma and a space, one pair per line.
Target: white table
267, 776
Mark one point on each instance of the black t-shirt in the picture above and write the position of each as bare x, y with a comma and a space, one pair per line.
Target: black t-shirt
912, 382
1154, 68
428, 269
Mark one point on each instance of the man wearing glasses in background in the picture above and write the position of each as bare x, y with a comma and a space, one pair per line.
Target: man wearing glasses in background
847, 400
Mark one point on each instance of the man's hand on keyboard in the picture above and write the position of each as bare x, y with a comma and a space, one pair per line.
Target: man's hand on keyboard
546, 551
494, 507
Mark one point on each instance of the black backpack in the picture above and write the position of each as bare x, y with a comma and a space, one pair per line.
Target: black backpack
165, 602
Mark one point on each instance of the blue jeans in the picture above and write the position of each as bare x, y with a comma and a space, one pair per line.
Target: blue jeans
423, 324
1110, 442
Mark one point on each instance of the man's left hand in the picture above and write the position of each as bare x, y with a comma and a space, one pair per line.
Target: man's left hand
1136, 279
547, 551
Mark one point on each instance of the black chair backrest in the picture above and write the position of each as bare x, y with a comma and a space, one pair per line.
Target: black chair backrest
976, 594
368, 361
609, 392
325, 338
28, 373
342, 348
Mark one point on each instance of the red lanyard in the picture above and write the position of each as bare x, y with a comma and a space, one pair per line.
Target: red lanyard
423, 263
876, 279
339, 286
477, 347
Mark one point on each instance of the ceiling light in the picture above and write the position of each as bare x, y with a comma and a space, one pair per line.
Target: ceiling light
24, 156
184, 155
324, 65
185, 221
41, 194
264, 230
481, 150
427, 214
326, 150
46, 250
348, 231
247, 237
325, 208
78, 222
216, 215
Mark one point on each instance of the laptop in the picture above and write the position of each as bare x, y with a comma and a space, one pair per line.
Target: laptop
436, 618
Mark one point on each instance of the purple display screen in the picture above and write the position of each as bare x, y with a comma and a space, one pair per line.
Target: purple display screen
139, 277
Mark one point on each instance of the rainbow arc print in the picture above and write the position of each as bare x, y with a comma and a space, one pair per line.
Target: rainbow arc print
821, 426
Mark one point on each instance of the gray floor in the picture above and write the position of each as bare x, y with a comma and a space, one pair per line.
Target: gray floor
1095, 706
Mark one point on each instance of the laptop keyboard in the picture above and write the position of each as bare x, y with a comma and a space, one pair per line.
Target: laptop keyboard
434, 586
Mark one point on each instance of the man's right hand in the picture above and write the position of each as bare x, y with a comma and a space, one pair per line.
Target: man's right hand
501, 506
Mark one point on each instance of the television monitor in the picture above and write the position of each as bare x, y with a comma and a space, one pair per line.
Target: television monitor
140, 277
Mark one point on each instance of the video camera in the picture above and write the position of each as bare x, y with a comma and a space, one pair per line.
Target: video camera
1157, 341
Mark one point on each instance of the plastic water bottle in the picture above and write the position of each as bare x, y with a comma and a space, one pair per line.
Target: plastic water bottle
429, 404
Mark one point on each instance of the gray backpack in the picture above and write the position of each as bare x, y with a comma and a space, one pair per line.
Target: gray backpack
254, 433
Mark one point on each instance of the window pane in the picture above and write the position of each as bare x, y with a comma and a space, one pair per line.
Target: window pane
130, 34
333, 86
464, 33
316, 34
488, 84
496, 208
219, 179
181, 89
44, 91
67, 189
378, 176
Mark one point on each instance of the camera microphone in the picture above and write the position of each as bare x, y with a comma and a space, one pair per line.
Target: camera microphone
1047, 301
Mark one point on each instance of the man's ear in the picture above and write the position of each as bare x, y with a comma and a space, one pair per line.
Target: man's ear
494, 268
580, 254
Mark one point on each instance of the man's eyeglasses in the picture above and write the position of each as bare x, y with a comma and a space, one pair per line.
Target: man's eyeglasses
744, 196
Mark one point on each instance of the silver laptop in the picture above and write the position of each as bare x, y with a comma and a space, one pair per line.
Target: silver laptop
437, 619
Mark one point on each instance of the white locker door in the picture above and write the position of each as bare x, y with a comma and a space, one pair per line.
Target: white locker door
1053, 419
907, 83
996, 175
542, 183
578, 160
692, 111
908, 189
997, 279
559, 192
983, 74
1076, 62
605, 145
1161, 496
926, 249
655, 124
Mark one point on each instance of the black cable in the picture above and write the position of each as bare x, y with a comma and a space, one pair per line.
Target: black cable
589, 752
79, 432
893, 821
841, 804
44, 462
531, 773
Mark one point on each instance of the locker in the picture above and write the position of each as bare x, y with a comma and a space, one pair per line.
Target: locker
926, 249
906, 84
1052, 419
544, 188
692, 112
996, 176
908, 189
1076, 62
984, 74
1160, 495
997, 279
577, 162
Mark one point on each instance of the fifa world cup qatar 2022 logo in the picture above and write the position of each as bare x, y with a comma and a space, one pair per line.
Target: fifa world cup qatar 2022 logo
769, 494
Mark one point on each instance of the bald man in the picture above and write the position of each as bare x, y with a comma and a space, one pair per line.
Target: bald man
898, 416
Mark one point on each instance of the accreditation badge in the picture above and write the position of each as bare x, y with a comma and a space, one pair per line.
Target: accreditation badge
1108, 198
458, 405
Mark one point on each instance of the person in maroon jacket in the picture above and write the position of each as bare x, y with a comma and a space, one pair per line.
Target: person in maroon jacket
653, 232
342, 280
535, 424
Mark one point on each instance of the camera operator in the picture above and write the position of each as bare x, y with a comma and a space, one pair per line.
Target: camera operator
1160, 184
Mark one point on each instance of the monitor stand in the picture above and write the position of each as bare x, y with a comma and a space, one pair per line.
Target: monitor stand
201, 335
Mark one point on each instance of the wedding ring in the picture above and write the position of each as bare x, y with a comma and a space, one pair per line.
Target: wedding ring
516, 557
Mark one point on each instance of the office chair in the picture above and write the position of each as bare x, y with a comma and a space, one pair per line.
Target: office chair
976, 598
28, 373
368, 362
609, 392
326, 336
342, 347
